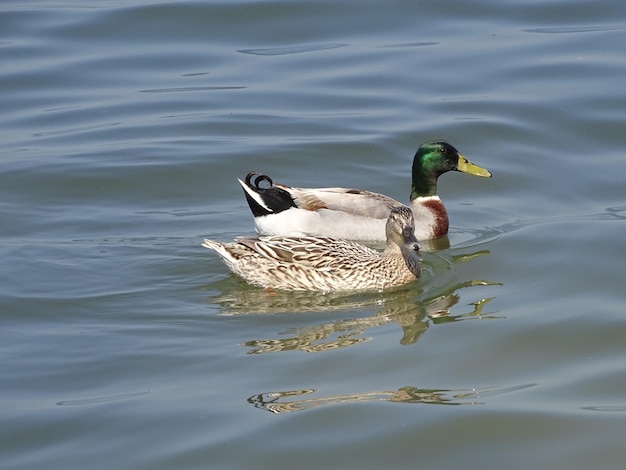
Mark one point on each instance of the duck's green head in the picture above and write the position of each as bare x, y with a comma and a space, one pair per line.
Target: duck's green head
432, 160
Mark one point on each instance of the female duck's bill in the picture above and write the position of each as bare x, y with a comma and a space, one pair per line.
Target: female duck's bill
325, 264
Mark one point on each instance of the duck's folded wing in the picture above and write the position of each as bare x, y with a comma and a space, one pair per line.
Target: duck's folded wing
351, 201
310, 252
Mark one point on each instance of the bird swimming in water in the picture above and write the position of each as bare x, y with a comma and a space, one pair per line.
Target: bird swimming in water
326, 264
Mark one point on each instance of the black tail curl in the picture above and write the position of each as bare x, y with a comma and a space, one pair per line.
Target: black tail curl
260, 178
274, 199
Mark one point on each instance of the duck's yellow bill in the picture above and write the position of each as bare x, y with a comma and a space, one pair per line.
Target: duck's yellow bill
468, 167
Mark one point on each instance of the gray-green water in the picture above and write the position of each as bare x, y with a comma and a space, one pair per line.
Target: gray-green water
124, 344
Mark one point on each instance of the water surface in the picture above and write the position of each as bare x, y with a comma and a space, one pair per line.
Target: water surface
125, 344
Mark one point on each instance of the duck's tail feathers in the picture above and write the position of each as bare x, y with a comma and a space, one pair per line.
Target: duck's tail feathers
213, 245
265, 201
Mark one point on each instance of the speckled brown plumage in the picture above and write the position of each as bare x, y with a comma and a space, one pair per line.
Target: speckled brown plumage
325, 264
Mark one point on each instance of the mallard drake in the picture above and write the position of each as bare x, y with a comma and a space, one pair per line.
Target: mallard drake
325, 264
356, 214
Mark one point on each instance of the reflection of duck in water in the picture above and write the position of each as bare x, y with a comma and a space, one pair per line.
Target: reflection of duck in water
326, 264
284, 402
413, 317
356, 214
297, 400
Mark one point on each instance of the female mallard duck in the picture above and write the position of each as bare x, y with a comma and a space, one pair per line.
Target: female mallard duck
355, 214
326, 264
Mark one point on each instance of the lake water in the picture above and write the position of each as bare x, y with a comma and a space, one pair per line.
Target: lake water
124, 344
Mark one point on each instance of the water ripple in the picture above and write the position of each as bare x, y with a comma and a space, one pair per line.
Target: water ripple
574, 29
292, 49
105, 399
192, 88
410, 44
610, 408
472, 237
